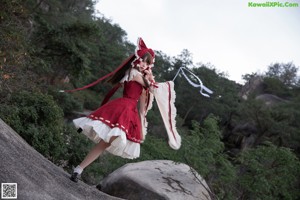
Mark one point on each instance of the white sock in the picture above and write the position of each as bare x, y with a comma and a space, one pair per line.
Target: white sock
78, 169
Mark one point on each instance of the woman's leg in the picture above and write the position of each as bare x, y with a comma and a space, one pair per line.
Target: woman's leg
95, 152
90, 157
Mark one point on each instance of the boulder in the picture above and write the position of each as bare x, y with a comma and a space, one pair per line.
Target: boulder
156, 180
36, 177
254, 85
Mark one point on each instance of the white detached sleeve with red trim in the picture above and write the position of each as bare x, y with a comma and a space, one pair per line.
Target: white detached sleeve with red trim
165, 98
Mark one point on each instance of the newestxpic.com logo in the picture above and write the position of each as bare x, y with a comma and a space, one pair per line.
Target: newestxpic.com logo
271, 4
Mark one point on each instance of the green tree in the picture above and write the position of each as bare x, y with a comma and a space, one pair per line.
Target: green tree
63, 50
256, 123
273, 85
221, 103
269, 172
204, 151
285, 72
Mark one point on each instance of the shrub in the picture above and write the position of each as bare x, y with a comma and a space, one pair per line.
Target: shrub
269, 172
39, 120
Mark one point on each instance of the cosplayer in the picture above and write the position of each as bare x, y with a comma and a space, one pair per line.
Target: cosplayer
118, 126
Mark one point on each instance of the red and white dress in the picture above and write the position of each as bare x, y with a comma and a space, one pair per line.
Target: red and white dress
119, 117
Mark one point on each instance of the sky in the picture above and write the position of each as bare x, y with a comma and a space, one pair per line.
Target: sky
227, 34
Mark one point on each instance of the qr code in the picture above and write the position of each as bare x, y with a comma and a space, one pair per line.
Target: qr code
9, 191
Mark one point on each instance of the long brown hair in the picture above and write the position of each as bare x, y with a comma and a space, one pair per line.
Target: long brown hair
121, 73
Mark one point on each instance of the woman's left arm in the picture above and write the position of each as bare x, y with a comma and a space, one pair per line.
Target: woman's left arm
150, 78
146, 80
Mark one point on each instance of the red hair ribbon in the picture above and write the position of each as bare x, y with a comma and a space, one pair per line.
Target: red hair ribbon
102, 78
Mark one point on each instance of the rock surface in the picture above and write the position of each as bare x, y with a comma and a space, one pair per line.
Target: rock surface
36, 177
156, 180
254, 85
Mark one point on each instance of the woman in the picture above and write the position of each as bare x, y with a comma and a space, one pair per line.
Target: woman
116, 126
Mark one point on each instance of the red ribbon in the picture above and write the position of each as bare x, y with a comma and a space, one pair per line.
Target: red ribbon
102, 78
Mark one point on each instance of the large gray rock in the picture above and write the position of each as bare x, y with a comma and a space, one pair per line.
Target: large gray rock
156, 180
254, 85
36, 177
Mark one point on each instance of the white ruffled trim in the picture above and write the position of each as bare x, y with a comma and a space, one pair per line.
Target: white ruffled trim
138, 47
130, 74
97, 131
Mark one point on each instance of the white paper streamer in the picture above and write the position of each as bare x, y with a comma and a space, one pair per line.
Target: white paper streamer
200, 84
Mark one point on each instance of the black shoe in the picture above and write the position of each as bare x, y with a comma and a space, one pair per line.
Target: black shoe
79, 130
74, 177
99, 187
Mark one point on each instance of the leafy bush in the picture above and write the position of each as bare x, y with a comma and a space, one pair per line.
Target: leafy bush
68, 103
276, 87
269, 172
39, 120
204, 151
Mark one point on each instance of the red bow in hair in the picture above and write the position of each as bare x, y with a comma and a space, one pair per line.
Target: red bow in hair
140, 51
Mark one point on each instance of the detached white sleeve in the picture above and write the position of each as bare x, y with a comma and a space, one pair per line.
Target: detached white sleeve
165, 97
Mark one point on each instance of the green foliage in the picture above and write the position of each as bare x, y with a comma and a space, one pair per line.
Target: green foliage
204, 152
269, 172
64, 49
91, 100
68, 103
285, 72
221, 103
39, 120
277, 124
276, 87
